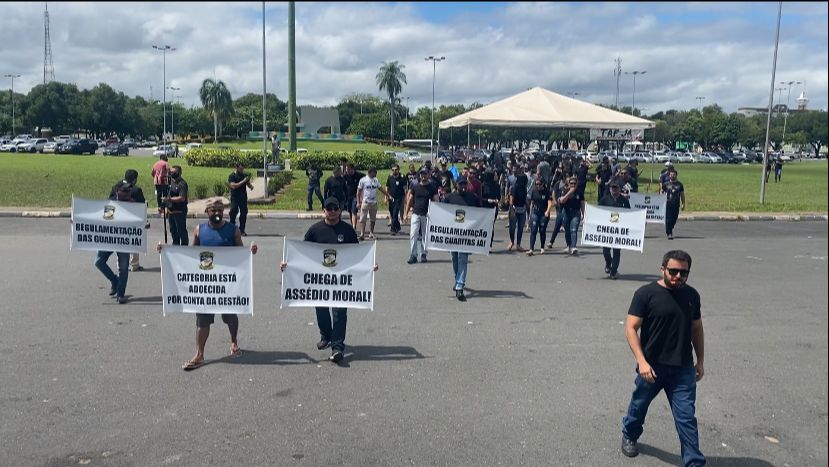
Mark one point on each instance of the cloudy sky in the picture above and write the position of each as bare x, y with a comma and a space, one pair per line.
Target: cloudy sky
720, 51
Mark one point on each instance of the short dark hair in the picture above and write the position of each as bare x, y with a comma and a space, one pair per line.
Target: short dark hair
678, 255
123, 185
131, 175
177, 167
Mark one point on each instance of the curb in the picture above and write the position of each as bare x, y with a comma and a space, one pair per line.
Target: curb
737, 217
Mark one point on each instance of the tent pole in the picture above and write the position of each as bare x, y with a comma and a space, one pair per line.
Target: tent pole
467, 134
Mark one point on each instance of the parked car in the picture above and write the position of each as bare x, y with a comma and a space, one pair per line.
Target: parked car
62, 139
727, 157
116, 149
685, 157
78, 146
33, 145
22, 138
190, 146
785, 157
11, 146
660, 156
51, 146
713, 157
414, 156
165, 149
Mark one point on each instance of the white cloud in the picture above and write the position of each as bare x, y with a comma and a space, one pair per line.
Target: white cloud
722, 51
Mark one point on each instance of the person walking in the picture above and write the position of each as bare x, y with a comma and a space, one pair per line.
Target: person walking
314, 176
177, 210
161, 178
571, 210
331, 321
137, 196
352, 182
675, 193
612, 256
663, 326
396, 192
460, 260
215, 232
517, 211
560, 187
367, 202
417, 208
118, 284
335, 186
778, 169
603, 175
541, 206
239, 183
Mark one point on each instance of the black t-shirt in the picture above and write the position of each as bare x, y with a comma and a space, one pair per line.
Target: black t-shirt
464, 199
396, 186
422, 194
352, 182
605, 173
136, 194
490, 190
573, 205
335, 186
666, 327
619, 202
242, 191
673, 190
178, 188
341, 232
519, 196
540, 198
314, 176
446, 180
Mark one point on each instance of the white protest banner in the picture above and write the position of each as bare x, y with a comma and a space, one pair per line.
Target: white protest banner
108, 226
329, 275
653, 203
453, 227
613, 227
205, 279
606, 134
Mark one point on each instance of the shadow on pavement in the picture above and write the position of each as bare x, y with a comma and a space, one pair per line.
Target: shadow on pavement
673, 459
472, 293
152, 300
253, 357
375, 352
637, 277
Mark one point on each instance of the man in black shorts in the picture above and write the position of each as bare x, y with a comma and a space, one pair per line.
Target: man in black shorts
331, 321
664, 324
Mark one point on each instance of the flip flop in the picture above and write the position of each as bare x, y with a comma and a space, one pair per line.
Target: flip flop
235, 353
191, 365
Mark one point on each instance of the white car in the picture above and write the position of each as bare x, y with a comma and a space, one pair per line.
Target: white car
33, 145
167, 150
414, 156
51, 146
661, 156
11, 146
684, 157
190, 146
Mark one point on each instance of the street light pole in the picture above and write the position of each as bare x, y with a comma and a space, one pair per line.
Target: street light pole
172, 114
634, 73
699, 100
434, 60
407, 118
164, 49
786, 115
12, 76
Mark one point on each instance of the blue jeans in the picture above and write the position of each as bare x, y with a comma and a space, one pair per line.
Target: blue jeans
460, 263
312, 190
516, 228
571, 227
557, 225
538, 225
334, 334
680, 386
119, 282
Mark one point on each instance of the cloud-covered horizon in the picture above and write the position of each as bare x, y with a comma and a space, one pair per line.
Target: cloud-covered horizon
720, 51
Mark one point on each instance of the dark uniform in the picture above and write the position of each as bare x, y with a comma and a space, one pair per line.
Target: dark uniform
611, 263
238, 200
177, 212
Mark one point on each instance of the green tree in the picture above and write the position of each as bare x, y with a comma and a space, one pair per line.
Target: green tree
50, 104
390, 79
216, 99
813, 124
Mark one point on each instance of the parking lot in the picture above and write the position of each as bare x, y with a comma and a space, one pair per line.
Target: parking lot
532, 370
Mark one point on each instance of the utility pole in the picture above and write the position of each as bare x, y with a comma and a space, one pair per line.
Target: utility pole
699, 102
786, 115
434, 60
12, 76
292, 75
164, 49
617, 72
634, 73
172, 114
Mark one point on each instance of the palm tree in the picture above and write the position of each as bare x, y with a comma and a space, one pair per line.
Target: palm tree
216, 99
388, 79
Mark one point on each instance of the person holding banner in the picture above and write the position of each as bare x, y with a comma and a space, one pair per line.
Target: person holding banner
121, 192
460, 260
215, 232
331, 321
417, 208
663, 326
137, 196
612, 256
675, 192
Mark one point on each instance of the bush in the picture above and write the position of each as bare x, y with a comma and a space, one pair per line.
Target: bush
215, 157
201, 191
219, 189
279, 180
327, 160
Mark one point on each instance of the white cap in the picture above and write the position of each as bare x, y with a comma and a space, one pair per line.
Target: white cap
668, 163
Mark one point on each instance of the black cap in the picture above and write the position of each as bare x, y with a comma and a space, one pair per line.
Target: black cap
331, 203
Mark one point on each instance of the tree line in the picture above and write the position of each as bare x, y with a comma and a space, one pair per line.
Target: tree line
103, 111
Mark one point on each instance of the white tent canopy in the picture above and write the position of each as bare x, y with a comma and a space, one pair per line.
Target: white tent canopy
540, 108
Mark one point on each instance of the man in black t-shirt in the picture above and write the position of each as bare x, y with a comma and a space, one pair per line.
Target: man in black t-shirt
314, 179
176, 199
239, 183
612, 256
417, 206
396, 189
675, 192
136, 196
664, 325
335, 186
331, 321
352, 182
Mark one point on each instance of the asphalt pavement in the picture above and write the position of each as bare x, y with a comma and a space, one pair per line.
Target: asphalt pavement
532, 370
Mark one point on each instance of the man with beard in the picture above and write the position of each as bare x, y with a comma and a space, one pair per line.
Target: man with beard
664, 324
215, 232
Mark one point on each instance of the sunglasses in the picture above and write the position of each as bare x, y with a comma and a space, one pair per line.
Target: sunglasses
332, 208
681, 272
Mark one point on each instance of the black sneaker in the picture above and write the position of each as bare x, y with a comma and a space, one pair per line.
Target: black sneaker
323, 344
412, 260
607, 269
336, 356
422, 258
460, 296
121, 300
243, 233
670, 236
629, 447
137, 268
614, 276
112, 291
